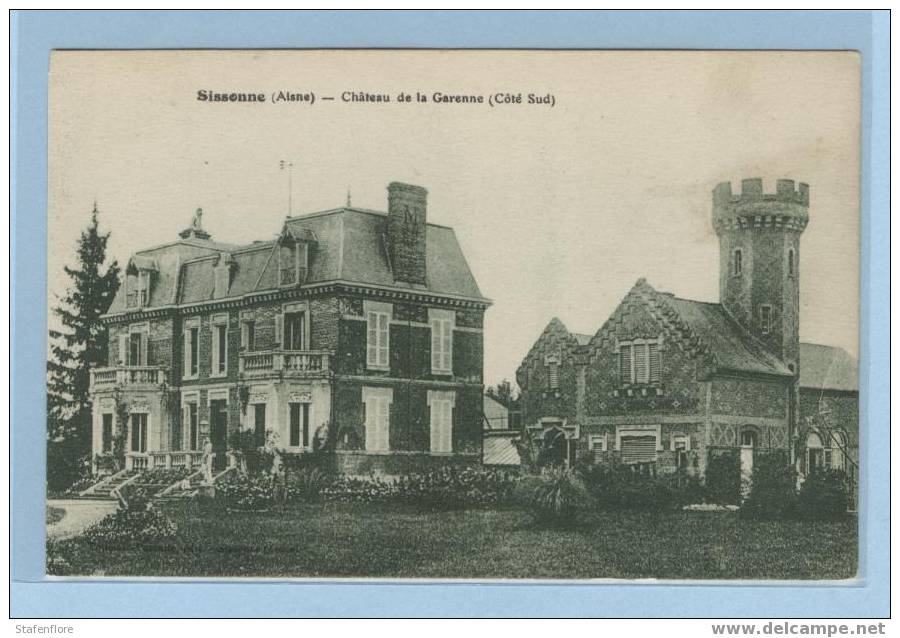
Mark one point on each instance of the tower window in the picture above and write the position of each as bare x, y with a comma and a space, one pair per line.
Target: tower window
639, 361
790, 264
765, 319
737, 264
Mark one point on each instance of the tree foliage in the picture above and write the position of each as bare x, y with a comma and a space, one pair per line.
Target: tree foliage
79, 344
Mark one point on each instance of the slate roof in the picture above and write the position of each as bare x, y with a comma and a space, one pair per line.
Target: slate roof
730, 345
346, 244
827, 368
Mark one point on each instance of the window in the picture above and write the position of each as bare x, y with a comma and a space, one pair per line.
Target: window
748, 438
193, 427
192, 349
139, 432
248, 335
299, 425
176, 441
442, 323
442, 404
765, 319
378, 319
143, 287
377, 405
259, 424
815, 453
220, 345
638, 449
107, 433
737, 264
790, 262
294, 330
134, 349
597, 444
553, 375
639, 362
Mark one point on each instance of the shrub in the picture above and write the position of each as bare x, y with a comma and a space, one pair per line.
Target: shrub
772, 489
620, 487
247, 492
723, 478
556, 497
79, 486
67, 558
135, 525
308, 484
824, 495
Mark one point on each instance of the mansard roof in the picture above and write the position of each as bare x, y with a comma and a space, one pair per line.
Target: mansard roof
827, 368
346, 245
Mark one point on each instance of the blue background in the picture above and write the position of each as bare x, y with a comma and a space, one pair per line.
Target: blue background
34, 34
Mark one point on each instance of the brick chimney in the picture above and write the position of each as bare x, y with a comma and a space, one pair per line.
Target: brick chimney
406, 231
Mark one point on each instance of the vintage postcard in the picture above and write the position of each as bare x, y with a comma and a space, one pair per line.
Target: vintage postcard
555, 315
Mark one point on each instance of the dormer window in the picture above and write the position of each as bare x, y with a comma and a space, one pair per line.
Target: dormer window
737, 262
639, 361
143, 287
293, 255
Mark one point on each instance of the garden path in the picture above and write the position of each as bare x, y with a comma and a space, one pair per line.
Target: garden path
80, 514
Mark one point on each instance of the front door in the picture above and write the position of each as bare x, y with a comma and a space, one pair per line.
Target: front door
218, 430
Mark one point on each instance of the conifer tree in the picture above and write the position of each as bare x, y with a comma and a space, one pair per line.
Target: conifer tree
78, 345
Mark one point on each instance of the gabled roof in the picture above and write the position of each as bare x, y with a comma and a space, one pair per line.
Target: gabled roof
345, 244
827, 368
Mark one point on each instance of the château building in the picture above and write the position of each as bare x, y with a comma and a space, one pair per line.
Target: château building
667, 382
355, 332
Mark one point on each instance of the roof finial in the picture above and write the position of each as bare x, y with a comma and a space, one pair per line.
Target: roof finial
197, 224
195, 230
95, 211
349, 204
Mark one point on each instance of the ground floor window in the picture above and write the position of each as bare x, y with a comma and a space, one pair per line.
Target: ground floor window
107, 433
815, 452
139, 432
299, 424
377, 406
259, 424
638, 449
441, 422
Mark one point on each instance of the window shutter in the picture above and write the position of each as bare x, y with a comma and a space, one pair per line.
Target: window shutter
383, 336
435, 345
638, 449
187, 353
447, 346
640, 363
279, 328
625, 362
448, 428
123, 349
245, 331
385, 414
372, 338
654, 362
145, 349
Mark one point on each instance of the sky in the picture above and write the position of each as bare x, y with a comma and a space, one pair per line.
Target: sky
559, 209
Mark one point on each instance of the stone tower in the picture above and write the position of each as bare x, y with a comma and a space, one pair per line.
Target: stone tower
759, 260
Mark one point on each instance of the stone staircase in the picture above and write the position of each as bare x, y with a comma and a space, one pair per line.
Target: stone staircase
104, 488
185, 488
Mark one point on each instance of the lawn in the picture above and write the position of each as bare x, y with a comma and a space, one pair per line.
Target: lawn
346, 540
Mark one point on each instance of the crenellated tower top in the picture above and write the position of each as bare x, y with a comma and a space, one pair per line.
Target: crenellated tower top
787, 208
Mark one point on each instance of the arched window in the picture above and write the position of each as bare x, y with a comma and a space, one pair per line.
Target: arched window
749, 438
790, 264
815, 452
737, 264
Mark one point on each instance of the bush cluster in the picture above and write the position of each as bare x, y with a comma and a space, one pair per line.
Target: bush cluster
444, 488
619, 487
723, 478
163, 476
824, 494
136, 524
